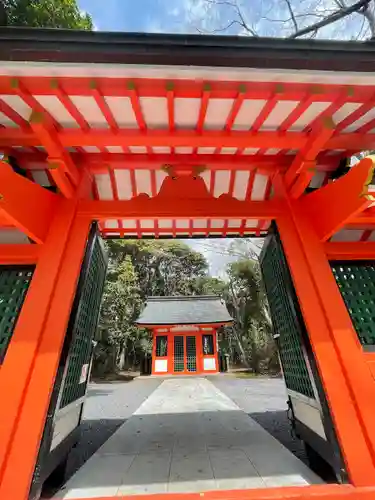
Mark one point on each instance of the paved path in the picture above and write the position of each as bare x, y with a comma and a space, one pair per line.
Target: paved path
188, 436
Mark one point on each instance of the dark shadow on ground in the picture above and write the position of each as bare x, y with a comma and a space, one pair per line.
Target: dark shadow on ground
279, 426
93, 434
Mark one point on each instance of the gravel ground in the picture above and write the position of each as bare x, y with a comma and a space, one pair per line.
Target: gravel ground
265, 401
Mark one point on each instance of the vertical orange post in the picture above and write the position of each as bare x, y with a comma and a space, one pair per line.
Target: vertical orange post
349, 391
23, 452
170, 350
153, 352
16, 370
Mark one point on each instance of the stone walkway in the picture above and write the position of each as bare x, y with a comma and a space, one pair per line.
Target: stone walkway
188, 436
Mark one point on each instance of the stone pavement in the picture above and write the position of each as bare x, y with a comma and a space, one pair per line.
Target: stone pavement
188, 436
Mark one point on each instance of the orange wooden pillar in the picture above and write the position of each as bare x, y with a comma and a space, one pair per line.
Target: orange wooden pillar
28, 372
347, 381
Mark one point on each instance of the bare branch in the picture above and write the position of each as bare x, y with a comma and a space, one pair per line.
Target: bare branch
217, 30
359, 6
368, 13
240, 21
292, 14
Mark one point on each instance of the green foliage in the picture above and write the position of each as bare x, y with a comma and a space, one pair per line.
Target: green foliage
44, 14
142, 268
247, 302
137, 269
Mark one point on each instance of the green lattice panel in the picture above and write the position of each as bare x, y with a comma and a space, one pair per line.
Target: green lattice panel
85, 326
14, 283
356, 281
284, 319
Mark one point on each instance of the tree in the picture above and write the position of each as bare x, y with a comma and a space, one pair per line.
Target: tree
247, 302
333, 19
121, 305
44, 14
137, 269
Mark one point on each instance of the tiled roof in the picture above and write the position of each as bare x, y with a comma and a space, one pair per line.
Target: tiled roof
182, 310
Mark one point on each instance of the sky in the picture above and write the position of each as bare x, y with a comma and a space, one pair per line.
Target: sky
265, 17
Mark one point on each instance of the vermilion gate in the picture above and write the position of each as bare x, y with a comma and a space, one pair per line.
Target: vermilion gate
239, 135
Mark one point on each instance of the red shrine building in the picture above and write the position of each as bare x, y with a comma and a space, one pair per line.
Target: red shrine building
184, 333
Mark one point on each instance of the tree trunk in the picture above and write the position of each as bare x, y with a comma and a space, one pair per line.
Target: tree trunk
241, 348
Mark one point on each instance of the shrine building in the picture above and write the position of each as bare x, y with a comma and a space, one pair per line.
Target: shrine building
184, 331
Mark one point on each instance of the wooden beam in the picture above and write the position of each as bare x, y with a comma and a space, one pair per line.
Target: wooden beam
337, 250
63, 170
19, 254
317, 140
186, 138
26, 205
364, 218
101, 162
332, 206
302, 181
144, 207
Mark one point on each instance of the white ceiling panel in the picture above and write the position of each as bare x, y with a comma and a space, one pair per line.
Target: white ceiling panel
247, 114
122, 111
259, 187
217, 113
143, 182
104, 187
278, 114
186, 112
90, 111
110, 223
217, 223
58, 111
222, 178
155, 111
370, 115
18, 104
312, 112
124, 187
345, 111
348, 235
240, 184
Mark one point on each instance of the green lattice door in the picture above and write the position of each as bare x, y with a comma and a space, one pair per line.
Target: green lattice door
191, 353
14, 283
286, 318
356, 282
178, 354
83, 323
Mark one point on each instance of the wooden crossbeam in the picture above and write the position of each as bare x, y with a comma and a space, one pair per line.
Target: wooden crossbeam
337, 250
186, 138
62, 168
25, 205
100, 162
19, 254
317, 141
143, 207
332, 206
